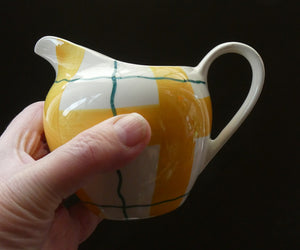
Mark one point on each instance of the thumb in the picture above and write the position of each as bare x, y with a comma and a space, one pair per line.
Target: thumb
104, 147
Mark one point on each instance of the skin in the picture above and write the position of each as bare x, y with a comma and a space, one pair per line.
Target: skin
34, 182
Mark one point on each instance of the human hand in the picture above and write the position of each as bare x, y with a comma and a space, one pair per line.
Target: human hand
34, 182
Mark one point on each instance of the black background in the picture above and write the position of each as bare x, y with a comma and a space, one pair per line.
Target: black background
248, 196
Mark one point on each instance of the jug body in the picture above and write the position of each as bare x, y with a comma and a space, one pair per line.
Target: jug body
90, 88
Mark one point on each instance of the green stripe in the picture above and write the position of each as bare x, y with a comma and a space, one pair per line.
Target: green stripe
113, 109
132, 77
140, 205
120, 194
113, 91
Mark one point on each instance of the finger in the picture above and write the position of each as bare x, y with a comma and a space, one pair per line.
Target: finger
25, 135
23, 141
71, 227
87, 220
104, 147
64, 231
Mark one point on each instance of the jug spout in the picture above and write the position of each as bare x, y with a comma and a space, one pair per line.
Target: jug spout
45, 47
67, 57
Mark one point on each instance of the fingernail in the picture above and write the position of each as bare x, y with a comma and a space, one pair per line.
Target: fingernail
131, 129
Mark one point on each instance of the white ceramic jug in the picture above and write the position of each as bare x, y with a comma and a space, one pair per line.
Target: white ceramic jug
90, 87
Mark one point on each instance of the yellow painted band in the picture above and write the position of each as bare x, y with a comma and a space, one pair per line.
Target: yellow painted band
178, 115
69, 58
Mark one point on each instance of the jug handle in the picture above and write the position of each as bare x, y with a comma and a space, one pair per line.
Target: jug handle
258, 74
